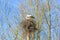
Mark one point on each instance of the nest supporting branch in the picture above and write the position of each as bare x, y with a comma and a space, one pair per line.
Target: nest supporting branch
28, 35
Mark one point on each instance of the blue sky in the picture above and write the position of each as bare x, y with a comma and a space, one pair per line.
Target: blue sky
9, 9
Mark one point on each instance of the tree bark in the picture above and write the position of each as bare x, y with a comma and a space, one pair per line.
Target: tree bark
33, 35
28, 36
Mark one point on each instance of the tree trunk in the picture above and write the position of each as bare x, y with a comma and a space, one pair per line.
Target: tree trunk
33, 35
28, 36
49, 22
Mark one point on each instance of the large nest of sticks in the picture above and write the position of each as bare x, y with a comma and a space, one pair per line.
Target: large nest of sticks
29, 25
